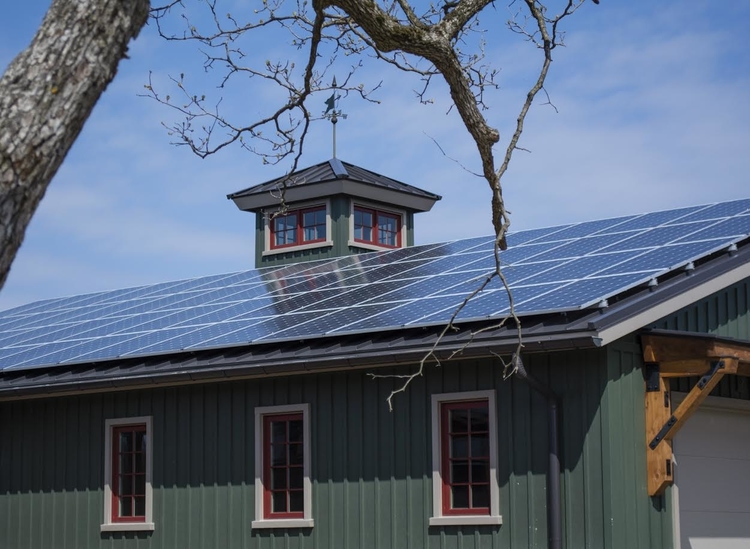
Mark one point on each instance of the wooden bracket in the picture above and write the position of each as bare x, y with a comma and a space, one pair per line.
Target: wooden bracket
674, 354
662, 426
658, 459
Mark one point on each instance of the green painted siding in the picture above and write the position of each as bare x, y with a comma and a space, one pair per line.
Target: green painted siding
725, 313
371, 468
340, 211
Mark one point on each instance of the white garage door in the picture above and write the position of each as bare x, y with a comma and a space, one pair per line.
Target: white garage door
712, 475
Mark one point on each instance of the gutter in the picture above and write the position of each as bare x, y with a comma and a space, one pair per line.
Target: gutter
554, 506
167, 371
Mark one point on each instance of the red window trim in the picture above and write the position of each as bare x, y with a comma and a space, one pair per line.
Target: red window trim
299, 228
445, 460
115, 480
374, 227
267, 509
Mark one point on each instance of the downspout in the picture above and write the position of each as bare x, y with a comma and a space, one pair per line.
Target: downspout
554, 507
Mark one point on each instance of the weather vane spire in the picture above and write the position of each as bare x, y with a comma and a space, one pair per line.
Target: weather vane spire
332, 114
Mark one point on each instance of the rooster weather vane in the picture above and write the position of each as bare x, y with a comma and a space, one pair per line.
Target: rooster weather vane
332, 114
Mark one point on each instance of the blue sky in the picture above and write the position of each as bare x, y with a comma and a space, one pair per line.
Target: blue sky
653, 113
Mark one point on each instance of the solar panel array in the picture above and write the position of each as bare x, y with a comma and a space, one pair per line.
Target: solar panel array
564, 268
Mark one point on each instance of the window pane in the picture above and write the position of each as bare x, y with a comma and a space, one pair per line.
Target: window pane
278, 431
295, 478
296, 501
278, 502
480, 445
480, 420
459, 472
126, 441
126, 463
459, 447
387, 223
126, 507
366, 219
389, 239
285, 229
278, 479
459, 497
126, 485
140, 485
140, 462
480, 471
480, 496
295, 454
459, 421
295, 430
140, 506
140, 441
278, 454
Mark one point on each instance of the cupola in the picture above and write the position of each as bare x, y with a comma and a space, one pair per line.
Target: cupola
331, 209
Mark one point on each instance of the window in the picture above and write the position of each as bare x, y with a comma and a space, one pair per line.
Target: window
127, 475
464, 453
282, 467
299, 227
376, 228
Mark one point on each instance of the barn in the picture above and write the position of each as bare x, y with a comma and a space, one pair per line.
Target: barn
250, 409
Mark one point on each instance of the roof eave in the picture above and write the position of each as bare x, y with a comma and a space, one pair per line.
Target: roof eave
391, 353
357, 189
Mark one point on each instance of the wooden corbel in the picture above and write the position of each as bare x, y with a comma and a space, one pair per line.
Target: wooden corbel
673, 354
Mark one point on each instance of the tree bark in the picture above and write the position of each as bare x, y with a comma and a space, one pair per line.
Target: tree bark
46, 95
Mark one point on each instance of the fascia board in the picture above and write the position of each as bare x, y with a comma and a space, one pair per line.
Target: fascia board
673, 304
330, 188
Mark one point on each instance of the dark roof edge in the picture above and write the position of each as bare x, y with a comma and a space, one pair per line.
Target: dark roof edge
640, 310
393, 351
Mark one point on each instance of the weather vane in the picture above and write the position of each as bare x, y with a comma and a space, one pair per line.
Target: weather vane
332, 114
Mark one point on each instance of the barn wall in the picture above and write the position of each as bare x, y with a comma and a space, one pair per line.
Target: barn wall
725, 313
371, 468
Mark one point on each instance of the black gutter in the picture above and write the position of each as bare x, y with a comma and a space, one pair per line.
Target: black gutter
554, 506
256, 361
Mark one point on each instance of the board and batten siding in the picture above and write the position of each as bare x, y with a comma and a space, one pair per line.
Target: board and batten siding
725, 313
371, 469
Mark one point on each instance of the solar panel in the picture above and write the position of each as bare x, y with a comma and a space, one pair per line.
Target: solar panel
565, 268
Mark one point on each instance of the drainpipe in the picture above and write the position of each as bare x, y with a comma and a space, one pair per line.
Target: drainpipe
554, 508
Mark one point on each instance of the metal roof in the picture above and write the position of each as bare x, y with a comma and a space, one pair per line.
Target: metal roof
333, 177
690, 253
330, 170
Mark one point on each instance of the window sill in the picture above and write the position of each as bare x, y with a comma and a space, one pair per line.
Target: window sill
467, 520
128, 527
373, 247
277, 251
283, 523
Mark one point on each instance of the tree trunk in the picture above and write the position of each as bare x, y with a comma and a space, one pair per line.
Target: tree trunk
46, 95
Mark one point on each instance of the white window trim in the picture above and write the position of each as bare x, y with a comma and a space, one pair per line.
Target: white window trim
107, 524
438, 519
307, 520
373, 206
302, 206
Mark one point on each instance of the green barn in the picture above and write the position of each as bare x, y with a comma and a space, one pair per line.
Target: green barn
249, 410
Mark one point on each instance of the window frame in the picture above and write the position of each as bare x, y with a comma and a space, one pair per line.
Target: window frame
441, 514
270, 248
263, 517
375, 211
120, 524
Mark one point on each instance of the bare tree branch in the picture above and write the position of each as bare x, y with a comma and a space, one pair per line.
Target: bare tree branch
426, 43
